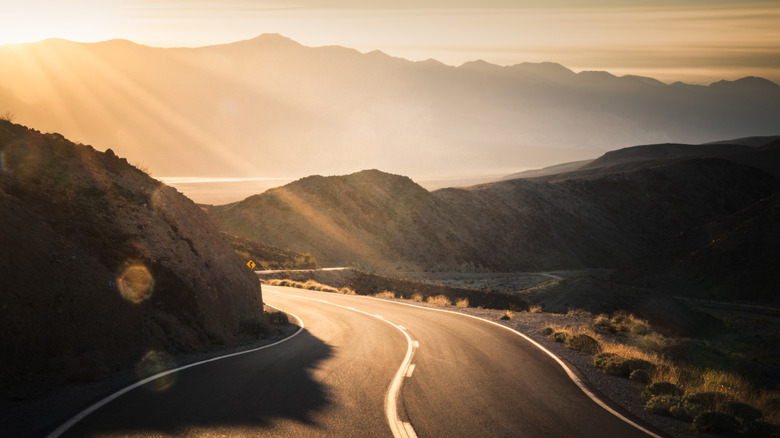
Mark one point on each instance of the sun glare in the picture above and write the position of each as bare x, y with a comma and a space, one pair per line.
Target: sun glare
78, 20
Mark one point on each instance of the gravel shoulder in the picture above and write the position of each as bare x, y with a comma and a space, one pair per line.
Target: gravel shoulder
620, 393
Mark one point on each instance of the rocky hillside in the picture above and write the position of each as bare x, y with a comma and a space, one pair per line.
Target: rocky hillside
101, 264
618, 215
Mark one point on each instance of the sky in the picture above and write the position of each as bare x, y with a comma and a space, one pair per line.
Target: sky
696, 41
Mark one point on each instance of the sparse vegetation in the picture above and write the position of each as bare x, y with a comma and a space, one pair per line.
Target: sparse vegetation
535, 309
712, 421
584, 343
417, 298
462, 302
385, 294
439, 300
580, 313
507, 316
714, 400
8, 116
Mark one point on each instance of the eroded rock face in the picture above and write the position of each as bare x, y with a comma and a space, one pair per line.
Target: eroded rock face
101, 264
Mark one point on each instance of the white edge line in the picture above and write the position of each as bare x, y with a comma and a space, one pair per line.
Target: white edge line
563, 365
83, 414
560, 362
399, 428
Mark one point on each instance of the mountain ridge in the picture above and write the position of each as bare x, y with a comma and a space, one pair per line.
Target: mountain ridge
622, 215
257, 106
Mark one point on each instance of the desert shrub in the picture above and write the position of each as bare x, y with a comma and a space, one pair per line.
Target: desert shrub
558, 336
579, 312
417, 298
640, 376
743, 411
640, 364
584, 343
347, 291
463, 302
535, 309
715, 422
706, 401
612, 364
604, 323
761, 429
255, 327
662, 388
620, 317
680, 413
653, 342
385, 294
662, 404
640, 329
547, 331
617, 365
603, 319
440, 300
277, 318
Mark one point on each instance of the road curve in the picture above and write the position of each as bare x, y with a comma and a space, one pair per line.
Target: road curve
473, 378
329, 380
367, 367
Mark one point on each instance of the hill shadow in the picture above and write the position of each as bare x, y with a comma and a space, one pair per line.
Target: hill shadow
247, 391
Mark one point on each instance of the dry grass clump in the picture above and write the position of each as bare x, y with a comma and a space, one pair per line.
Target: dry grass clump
385, 294
579, 312
311, 285
417, 298
535, 309
463, 302
714, 401
440, 300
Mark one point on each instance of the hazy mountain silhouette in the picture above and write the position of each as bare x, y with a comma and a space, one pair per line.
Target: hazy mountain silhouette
270, 106
101, 264
627, 214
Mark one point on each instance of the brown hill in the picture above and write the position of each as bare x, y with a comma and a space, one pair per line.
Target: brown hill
607, 220
101, 264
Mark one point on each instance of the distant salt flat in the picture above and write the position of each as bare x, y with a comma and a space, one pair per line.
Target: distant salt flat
219, 191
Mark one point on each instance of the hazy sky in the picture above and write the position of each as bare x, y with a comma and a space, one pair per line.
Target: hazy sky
696, 41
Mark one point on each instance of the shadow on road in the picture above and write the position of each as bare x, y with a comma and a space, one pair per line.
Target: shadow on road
248, 391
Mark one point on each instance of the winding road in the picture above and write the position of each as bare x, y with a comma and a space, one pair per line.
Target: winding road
365, 367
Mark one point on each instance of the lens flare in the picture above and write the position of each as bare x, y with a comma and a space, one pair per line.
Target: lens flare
136, 283
155, 362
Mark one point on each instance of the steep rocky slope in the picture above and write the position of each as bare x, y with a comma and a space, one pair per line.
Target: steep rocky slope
101, 264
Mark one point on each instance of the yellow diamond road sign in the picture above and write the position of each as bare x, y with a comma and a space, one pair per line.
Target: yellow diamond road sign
251, 264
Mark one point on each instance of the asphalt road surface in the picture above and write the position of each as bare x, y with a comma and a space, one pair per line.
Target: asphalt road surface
364, 367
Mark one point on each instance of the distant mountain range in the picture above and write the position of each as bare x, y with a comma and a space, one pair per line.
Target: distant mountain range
698, 220
272, 107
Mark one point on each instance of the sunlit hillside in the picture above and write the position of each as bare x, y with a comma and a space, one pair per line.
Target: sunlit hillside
684, 219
